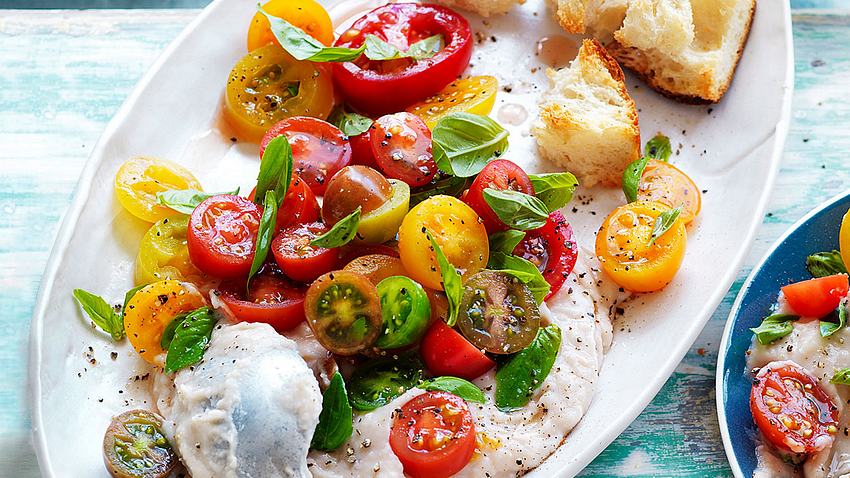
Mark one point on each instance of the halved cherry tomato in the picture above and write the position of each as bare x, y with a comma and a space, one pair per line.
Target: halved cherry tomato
353, 187
382, 224
271, 299
455, 227
446, 352
307, 15
433, 435
501, 175
791, 409
844, 239
139, 180
376, 267
626, 253
361, 150
300, 205
353, 250
816, 297
552, 248
151, 309
163, 253
665, 183
381, 87
319, 149
134, 446
401, 144
344, 311
297, 258
221, 235
406, 310
476, 94
268, 85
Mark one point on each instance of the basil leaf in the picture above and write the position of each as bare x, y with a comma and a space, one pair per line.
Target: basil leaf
774, 328
351, 124
463, 143
129, 295
631, 178
275, 170
663, 223
505, 241
828, 328
452, 282
304, 47
424, 49
378, 49
168, 332
191, 338
341, 233
265, 233
554, 189
185, 200
825, 264
658, 148
457, 386
293, 88
517, 210
450, 186
525, 372
336, 420
841, 377
378, 381
101, 313
524, 270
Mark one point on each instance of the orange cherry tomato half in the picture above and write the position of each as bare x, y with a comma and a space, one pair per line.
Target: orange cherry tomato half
816, 297
433, 435
665, 183
307, 15
221, 235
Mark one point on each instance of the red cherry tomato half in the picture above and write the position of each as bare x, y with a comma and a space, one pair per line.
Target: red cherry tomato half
221, 235
297, 258
816, 297
447, 352
381, 87
552, 248
361, 150
401, 145
271, 299
501, 175
300, 205
319, 149
792, 411
433, 435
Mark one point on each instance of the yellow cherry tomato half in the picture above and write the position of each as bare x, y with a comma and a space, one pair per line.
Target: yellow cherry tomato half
626, 253
139, 179
665, 183
476, 94
151, 310
304, 14
455, 227
268, 85
844, 240
163, 253
382, 224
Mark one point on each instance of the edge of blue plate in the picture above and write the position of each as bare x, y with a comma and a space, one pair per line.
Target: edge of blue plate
784, 263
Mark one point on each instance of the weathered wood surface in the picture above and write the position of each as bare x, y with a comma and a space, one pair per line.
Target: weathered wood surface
64, 74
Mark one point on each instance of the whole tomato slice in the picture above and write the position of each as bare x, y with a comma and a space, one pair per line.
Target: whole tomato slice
401, 145
792, 411
221, 235
297, 258
299, 206
319, 149
446, 352
552, 248
816, 297
501, 175
433, 435
271, 299
381, 87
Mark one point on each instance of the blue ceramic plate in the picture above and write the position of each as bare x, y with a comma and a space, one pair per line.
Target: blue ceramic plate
783, 264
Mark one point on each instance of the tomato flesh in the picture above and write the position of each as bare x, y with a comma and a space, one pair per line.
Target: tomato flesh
299, 206
401, 145
221, 235
447, 352
501, 175
816, 297
271, 299
552, 248
433, 435
297, 258
361, 150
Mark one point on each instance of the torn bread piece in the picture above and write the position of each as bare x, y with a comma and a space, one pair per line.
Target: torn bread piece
597, 18
588, 123
485, 8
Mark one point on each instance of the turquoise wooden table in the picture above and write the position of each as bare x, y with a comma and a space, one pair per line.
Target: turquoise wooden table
63, 75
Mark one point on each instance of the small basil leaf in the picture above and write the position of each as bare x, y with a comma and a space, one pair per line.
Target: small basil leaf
351, 124
185, 200
517, 210
377, 49
336, 419
828, 328
631, 178
554, 189
275, 170
463, 143
341, 233
129, 295
378, 381
841, 377
424, 49
101, 313
168, 332
191, 338
304, 47
825, 264
265, 233
525, 372
457, 386
524, 270
774, 328
506, 241
452, 282
658, 148
663, 223
293, 88
450, 186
